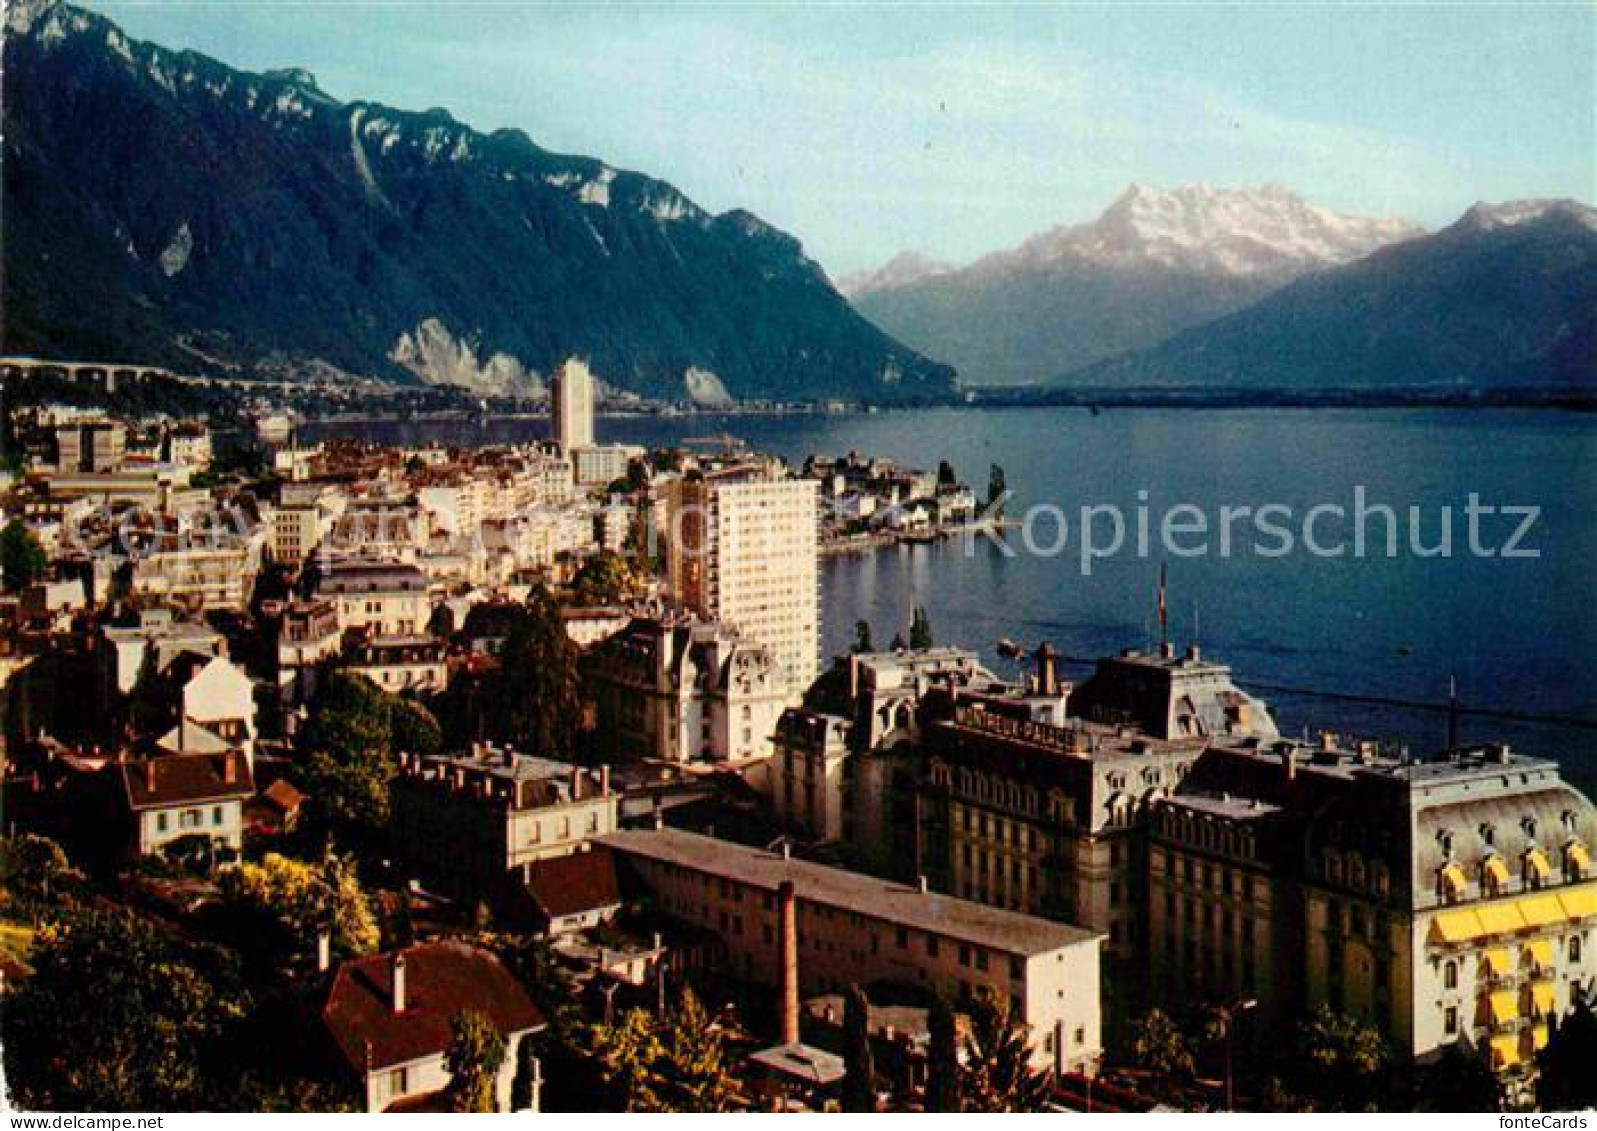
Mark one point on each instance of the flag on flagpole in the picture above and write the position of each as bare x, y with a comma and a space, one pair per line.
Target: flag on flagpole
1164, 619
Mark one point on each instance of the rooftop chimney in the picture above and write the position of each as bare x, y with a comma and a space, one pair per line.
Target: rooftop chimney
399, 982
1047, 673
787, 961
604, 780
576, 784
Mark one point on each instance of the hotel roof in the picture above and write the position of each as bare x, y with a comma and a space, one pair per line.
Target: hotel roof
896, 903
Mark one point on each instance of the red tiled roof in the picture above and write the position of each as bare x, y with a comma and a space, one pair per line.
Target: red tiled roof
283, 796
181, 778
582, 881
441, 980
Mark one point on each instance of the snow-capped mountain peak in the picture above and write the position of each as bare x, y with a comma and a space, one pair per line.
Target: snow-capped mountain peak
1487, 217
1267, 230
903, 270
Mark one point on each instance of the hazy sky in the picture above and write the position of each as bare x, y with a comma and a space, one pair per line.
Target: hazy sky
956, 130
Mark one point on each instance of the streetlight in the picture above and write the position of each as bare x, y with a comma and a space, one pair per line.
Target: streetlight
1227, 1014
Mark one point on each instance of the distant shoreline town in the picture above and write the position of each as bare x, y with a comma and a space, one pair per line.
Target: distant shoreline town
245, 400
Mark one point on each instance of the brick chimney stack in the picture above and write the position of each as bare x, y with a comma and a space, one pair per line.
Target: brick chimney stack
787, 961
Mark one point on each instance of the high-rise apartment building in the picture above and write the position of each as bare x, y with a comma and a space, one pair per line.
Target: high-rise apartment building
571, 405
741, 549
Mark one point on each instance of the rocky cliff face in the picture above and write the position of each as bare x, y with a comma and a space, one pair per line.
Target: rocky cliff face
163, 207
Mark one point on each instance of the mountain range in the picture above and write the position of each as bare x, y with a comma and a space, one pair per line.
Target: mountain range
1156, 262
1504, 298
162, 207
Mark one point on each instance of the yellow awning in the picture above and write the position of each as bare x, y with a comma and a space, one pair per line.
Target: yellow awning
1536, 862
1539, 1037
1580, 903
1505, 1052
1541, 999
1503, 1007
1579, 859
1500, 918
1456, 927
1497, 962
1497, 870
1453, 879
1541, 951
1541, 911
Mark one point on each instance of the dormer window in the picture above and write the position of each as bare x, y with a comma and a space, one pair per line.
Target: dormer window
1537, 868
1451, 885
1577, 862
1488, 835
1494, 876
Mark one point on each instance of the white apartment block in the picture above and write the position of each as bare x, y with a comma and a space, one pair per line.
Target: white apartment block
294, 531
742, 550
858, 929
571, 406
385, 599
595, 465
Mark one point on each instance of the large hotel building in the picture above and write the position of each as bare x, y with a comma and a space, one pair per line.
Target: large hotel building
741, 548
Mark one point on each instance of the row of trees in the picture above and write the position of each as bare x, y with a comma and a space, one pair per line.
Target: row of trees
119, 1015
920, 634
986, 1068
1334, 1062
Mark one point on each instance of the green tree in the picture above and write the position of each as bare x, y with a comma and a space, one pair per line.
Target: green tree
859, 1080
862, 637
1341, 1063
22, 559
348, 746
996, 487
628, 1054
116, 1017
920, 629
1159, 1045
1566, 1081
942, 1070
1459, 1080
287, 903
534, 700
603, 579
998, 1075
473, 1058
36, 878
693, 1060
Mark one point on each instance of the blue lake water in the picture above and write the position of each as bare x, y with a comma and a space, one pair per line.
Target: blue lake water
1519, 635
